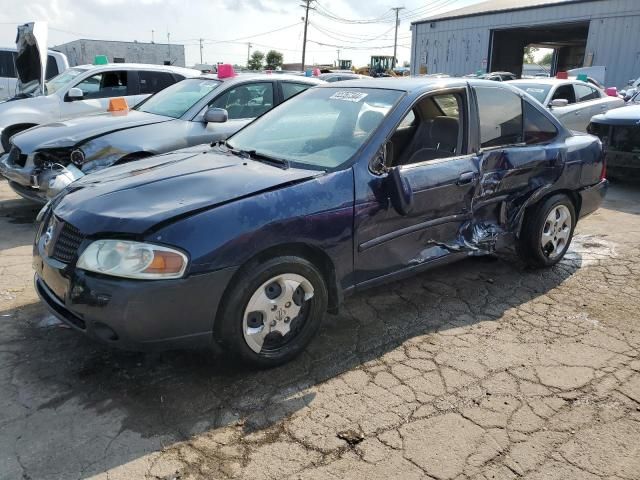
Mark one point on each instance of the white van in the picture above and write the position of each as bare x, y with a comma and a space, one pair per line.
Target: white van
56, 63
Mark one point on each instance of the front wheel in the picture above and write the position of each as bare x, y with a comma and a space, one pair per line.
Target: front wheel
547, 231
272, 311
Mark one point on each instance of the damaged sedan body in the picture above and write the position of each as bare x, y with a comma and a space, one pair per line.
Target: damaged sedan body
246, 245
45, 159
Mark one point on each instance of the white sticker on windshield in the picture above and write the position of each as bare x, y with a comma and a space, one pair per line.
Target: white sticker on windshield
348, 96
535, 90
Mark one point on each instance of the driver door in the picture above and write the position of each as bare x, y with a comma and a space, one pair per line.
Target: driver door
431, 153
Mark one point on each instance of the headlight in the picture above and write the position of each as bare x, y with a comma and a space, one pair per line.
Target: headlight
122, 258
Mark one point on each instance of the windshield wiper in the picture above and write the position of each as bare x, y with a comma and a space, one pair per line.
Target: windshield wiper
253, 155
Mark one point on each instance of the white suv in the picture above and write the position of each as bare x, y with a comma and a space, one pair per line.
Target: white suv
84, 90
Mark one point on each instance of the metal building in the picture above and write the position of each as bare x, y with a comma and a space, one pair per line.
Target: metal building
84, 51
491, 36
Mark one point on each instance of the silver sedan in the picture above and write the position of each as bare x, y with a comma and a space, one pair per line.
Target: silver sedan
45, 159
573, 102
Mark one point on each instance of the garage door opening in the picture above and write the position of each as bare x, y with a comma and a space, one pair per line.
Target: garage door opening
567, 40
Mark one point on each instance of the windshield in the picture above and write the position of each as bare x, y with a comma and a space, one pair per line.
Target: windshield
176, 100
539, 91
62, 80
322, 127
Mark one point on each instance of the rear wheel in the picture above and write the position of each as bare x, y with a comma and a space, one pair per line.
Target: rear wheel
547, 231
272, 311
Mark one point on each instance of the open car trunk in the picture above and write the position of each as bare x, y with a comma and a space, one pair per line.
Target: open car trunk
31, 56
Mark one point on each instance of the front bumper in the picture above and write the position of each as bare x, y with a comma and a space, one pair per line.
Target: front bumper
132, 314
38, 185
592, 197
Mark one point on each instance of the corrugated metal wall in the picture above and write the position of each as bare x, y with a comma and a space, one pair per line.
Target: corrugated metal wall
461, 46
80, 52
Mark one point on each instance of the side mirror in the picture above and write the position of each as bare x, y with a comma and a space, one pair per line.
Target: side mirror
558, 102
216, 115
384, 159
400, 191
74, 94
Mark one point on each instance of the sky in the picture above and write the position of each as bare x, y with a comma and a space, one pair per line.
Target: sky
358, 29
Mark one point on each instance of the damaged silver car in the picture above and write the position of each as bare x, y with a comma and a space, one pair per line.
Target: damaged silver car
44, 160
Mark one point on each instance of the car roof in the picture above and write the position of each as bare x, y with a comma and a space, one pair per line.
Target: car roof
413, 84
189, 72
547, 81
243, 77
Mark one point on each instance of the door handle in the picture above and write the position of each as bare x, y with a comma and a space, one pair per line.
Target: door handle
466, 178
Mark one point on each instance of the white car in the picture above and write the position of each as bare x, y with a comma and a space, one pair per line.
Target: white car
84, 90
573, 102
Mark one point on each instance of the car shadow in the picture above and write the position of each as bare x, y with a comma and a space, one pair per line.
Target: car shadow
623, 197
175, 395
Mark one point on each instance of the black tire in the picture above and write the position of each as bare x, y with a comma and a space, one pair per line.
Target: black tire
529, 246
228, 330
9, 132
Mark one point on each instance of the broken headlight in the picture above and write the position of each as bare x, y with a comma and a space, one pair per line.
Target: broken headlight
128, 259
51, 156
77, 157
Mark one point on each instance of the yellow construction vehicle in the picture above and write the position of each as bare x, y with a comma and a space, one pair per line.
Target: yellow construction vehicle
380, 66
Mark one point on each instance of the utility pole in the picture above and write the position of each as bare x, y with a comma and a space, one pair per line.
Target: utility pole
395, 41
201, 51
338, 58
169, 46
152, 36
307, 7
248, 53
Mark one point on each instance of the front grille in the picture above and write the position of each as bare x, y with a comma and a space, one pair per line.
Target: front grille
16, 157
67, 243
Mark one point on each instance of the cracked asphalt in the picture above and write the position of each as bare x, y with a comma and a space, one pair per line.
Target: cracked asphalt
479, 370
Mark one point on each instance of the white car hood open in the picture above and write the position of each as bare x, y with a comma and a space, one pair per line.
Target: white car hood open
31, 56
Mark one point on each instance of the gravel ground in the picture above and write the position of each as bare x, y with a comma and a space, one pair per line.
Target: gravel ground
479, 370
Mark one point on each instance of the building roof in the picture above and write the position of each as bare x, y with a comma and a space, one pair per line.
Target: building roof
495, 6
135, 42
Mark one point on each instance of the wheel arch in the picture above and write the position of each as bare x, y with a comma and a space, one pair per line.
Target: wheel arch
571, 194
311, 253
11, 130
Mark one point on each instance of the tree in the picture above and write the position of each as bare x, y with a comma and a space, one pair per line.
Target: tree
255, 63
547, 59
529, 53
274, 60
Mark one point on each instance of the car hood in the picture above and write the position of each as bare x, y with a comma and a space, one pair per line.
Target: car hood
629, 115
31, 56
132, 198
81, 129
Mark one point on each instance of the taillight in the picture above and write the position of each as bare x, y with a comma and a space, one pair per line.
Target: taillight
603, 173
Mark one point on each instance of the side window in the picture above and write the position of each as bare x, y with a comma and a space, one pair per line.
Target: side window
249, 100
104, 85
153, 82
52, 67
537, 127
500, 113
585, 93
564, 92
7, 68
292, 89
427, 132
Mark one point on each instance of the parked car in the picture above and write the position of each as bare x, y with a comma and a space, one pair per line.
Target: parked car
83, 90
22, 68
10, 86
619, 131
44, 160
340, 76
573, 102
499, 76
343, 187
631, 89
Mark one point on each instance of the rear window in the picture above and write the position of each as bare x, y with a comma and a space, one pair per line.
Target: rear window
536, 90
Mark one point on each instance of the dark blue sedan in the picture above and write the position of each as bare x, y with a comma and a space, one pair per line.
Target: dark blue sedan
248, 243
